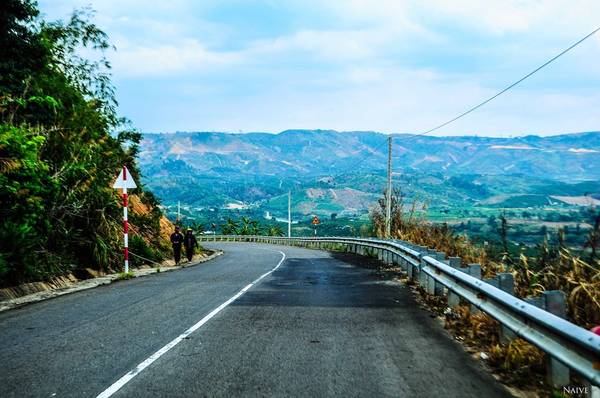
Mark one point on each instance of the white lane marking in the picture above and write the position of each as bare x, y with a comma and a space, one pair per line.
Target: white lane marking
138, 369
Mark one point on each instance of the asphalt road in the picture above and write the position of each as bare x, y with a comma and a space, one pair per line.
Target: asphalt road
316, 326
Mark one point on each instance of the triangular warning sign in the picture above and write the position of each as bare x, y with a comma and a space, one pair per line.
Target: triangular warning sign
124, 180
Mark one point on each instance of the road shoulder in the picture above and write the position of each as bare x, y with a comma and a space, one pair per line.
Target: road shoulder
86, 284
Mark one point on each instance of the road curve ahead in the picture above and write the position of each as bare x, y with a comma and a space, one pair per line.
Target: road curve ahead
315, 326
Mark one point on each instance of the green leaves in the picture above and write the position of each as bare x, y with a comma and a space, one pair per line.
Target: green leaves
58, 149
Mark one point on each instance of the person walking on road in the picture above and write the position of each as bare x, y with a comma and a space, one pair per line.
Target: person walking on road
190, 243
176, 241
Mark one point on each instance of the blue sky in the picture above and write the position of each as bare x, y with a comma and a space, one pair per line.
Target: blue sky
389, 66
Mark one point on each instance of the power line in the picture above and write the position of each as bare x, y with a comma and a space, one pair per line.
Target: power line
373, 152
361, 160
510, 86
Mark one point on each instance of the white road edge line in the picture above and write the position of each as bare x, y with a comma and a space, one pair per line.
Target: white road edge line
138, 369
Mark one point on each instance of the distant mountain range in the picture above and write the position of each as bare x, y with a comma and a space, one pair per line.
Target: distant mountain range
212, 169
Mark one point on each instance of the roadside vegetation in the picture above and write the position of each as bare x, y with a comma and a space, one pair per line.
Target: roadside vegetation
246, 226
61, 145
549, 265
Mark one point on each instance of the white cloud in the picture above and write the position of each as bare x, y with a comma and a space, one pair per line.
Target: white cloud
167, 59
386, 65
490, 16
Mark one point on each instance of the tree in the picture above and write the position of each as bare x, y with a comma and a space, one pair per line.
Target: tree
22, 49
398, 219
61, 144
230, 227
245, 227
275, 230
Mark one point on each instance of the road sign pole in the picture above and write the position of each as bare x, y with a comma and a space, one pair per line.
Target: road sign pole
123, 182
315, 222
125, 221
125, 230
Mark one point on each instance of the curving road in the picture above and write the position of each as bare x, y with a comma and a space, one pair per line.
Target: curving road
316, 326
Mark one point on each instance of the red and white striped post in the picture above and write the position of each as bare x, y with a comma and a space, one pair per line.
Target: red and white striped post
125, 223
125, 181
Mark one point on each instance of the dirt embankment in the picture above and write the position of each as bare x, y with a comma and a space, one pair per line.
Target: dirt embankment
166, 227
67, 281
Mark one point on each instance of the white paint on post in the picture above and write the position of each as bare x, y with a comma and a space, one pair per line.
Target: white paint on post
125, 226
147, 362
123, 182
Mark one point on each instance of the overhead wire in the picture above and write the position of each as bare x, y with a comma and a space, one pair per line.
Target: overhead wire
359, 163
511, 85
479, 105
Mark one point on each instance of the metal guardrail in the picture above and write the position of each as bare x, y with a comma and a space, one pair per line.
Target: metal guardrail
564, 341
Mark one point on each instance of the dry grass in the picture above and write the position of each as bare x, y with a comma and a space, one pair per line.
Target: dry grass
565, 271
519, 363
516, 361
578, 279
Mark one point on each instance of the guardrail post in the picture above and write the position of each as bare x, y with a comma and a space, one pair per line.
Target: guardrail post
557, 372
453, 298
397, 261
554, 302
407, 264
492, 281
430, 279
438, 288
409, 269
423, 278
506, 282
475, 271
415, 270
454, 262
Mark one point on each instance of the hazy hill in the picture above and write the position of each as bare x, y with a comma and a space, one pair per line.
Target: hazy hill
347, 168
317, 152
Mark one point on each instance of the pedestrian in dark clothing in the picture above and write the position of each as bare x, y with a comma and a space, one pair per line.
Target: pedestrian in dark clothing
176, 241
190, 243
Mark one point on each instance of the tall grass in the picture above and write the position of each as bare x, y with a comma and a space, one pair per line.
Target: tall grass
553, 268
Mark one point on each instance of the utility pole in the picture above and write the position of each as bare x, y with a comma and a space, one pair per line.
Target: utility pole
178, 211
388, 192
289, 214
